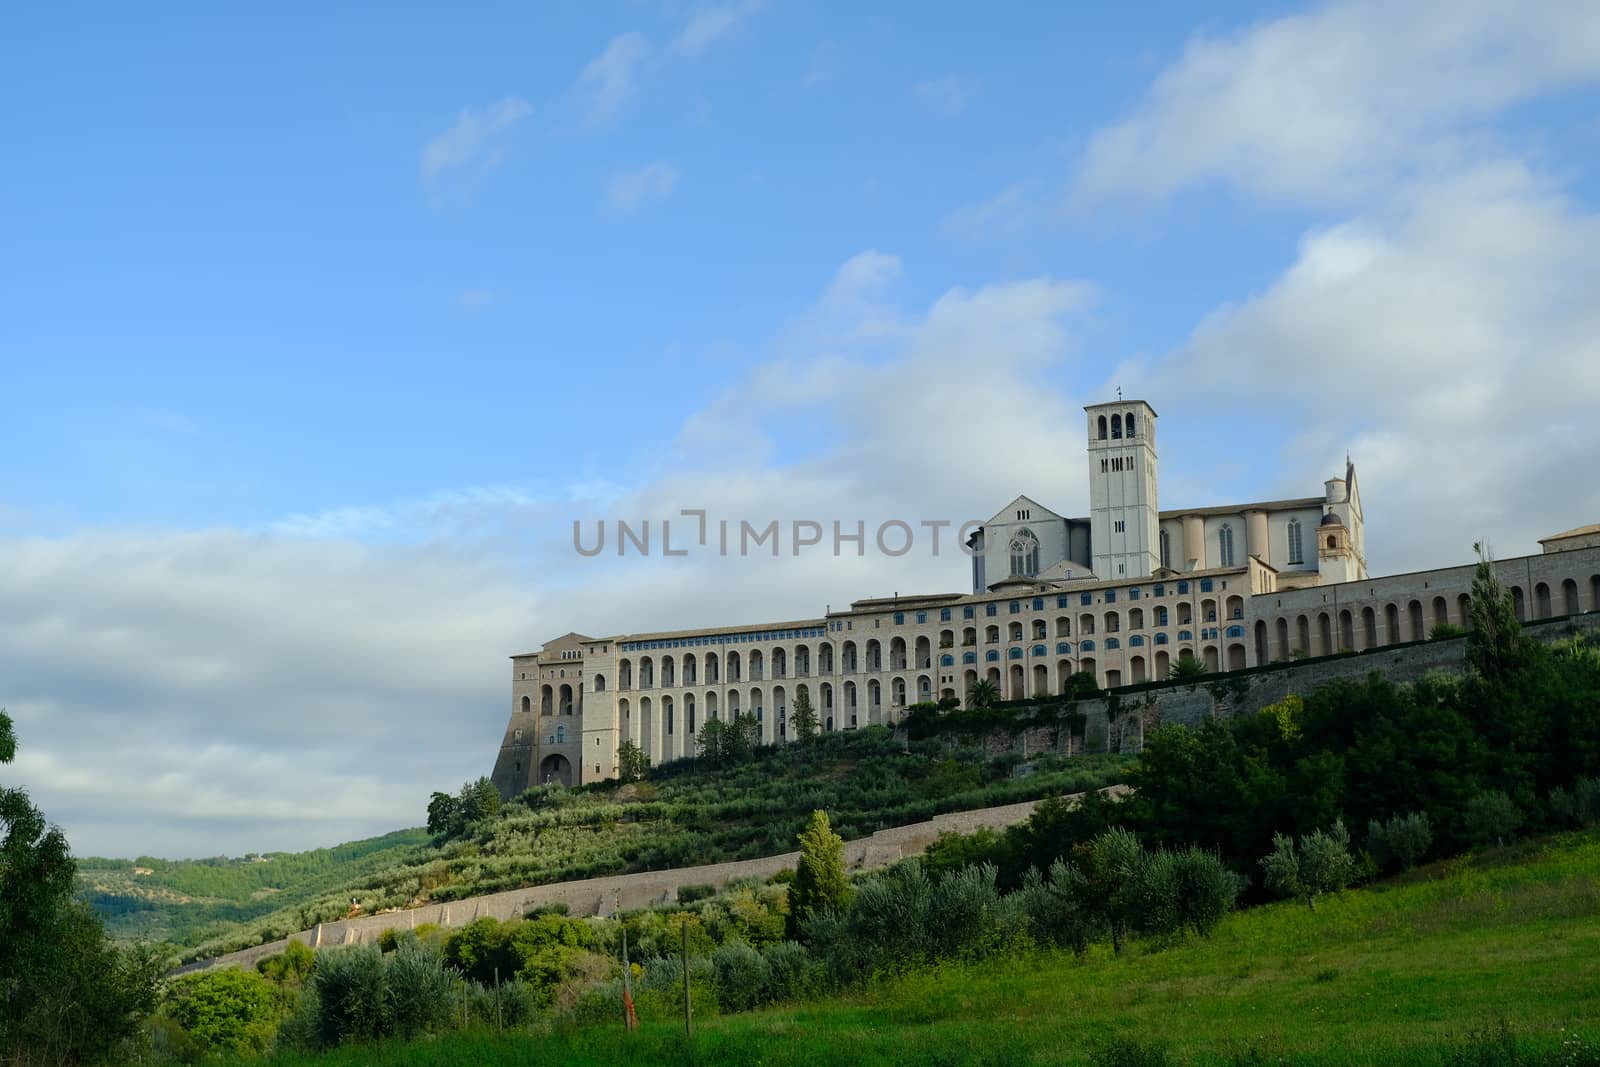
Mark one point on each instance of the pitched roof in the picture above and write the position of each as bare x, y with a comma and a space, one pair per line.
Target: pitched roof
1580, 531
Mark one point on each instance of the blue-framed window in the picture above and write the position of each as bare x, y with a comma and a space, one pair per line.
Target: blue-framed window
922, 617
1015, 653
1133, 594
1016, 607
991, 610
968, 612
1160, 590
1183, 588
969, 657
1040, 650
992, 656
1063, 648
1085, 646
1038, 603
1236, 631
1136, 639
1205, 585
899, 618
1161, 639
1112, 642
1111, 596
947, 660
1085, 599
1185, 635
1061, 601
944, 614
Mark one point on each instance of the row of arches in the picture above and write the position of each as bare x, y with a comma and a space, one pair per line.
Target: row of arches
874, 656
1375, 625
557, 700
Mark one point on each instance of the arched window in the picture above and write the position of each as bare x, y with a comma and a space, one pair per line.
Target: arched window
1296, 553
527, 706
1025, 553
1116, 426
1166, 550
599, 683
992, 656
1102, 427
969, 657
1128, 424
1331, 542
1225, 544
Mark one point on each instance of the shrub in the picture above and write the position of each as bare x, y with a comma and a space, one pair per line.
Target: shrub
743, 976
1320, 864
1491, 818
1055, 909
1401, 842
224, 1012
349, 985
793, 974
688, 894
418, 990
819, 879
1578, 807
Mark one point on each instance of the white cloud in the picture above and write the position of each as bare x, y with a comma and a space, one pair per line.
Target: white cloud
710, 24
1439, 327
948, 94
1336, 103
228, 691
611, 78
651, 183
1007, 212
474, 141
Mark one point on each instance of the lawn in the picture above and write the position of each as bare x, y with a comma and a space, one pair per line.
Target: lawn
1401, 973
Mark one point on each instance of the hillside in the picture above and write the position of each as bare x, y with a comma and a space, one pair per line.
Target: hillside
1423, 969
680, 815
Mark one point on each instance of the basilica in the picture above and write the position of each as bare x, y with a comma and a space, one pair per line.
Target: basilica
1121, 594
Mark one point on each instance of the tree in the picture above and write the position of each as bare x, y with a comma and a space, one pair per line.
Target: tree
1186, 668
1496, 646
226, 1011
1491, 818
632, 763
982, 694
803, 719
1401, 841
820, 883
1320, 864
441, 814
67, 994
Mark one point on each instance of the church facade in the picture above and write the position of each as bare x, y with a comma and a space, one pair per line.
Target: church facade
1121, 594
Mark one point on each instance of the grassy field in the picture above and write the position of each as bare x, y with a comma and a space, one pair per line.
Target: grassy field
1421, 970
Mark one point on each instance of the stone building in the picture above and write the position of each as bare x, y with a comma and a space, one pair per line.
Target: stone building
1121, 595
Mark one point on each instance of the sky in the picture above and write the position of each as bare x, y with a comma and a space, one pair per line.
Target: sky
320, 329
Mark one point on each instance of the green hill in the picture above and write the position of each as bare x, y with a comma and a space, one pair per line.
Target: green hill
681, 814
1425, 969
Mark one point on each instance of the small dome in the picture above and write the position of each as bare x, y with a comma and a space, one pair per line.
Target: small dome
1330, 519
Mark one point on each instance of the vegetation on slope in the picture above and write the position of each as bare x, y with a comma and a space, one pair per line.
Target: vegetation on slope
682, 814
1426, 969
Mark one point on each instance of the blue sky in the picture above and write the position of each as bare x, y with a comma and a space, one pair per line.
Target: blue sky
320, 328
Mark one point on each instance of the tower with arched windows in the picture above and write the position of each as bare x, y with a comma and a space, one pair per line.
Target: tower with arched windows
1124, 518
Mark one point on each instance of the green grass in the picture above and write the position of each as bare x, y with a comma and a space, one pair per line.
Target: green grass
1401, 973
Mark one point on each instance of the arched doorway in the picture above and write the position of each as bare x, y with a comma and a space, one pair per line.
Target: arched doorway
556, 769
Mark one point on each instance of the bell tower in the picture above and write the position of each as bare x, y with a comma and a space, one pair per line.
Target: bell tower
1124, 518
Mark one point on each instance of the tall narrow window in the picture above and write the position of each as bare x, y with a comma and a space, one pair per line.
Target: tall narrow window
1166, 550
1296, 555
1225, 544
1116, 427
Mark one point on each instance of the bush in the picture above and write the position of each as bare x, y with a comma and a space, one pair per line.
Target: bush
418, 990
1055, 909
1401, 842
1320, 864
225, 1012
1491, 818
688, 894
349, 985
743, 976
1578, 807
793, 974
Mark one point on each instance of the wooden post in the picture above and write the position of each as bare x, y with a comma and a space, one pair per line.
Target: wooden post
688, 1013
499, 1021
